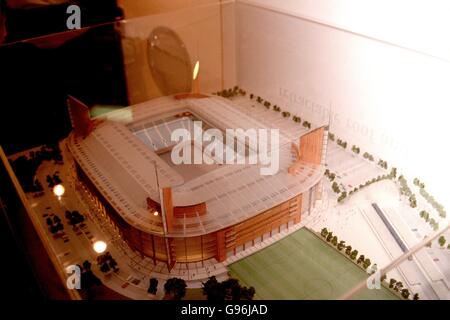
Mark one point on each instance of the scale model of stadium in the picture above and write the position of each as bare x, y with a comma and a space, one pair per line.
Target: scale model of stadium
187, 213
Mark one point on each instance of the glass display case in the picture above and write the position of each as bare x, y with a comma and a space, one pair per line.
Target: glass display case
167, 146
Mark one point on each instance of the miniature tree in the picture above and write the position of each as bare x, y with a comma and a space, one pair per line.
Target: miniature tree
342, 196
113, 264
54, 229
354, 254
324, 232
87, 265
211, 288
360, 259
416, 296
334, 241
367, 263
348, 250
393, 173
105, 268
335, 187
331, 136
398, 286
59, 226
329, 236
412, 201
175, 289
392, 283
153, 286
405, 293
248, 293
231, 288
341, 245
442, 241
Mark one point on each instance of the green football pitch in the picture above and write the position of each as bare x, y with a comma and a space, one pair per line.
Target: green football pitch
302, 266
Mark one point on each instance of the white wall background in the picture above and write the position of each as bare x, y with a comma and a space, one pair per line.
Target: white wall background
420, 24
390, 101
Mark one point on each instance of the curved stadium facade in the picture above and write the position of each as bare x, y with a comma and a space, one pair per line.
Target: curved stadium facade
188, 213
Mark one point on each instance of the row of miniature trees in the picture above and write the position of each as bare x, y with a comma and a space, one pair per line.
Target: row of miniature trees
430, 199
406, 191
364, 262
231, 92
431, 221
382, 163
349, 251
397, 286
276, 108
391, 175
174, 288
230, 289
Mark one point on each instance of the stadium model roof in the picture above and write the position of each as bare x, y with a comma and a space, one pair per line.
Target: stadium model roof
121, 165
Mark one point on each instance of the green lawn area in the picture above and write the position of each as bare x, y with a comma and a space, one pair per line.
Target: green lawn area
302, 266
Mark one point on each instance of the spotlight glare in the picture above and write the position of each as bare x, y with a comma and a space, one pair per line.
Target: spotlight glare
196, 69
99, 246
59, 190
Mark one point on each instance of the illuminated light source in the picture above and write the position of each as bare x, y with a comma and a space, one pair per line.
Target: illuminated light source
99, 246
155, 213
59, 190
196, 79
196, 70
